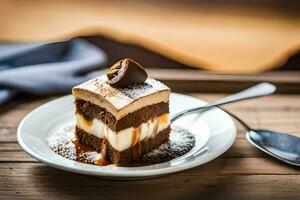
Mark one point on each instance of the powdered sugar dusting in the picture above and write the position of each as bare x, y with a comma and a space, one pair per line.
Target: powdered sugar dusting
137, 91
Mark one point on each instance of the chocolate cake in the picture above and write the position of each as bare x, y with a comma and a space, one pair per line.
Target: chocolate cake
123, 114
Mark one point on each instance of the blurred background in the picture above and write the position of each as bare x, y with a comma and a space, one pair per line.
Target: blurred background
205, 48
193, 46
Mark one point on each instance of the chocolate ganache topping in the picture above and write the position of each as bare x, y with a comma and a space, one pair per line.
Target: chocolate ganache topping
126, 72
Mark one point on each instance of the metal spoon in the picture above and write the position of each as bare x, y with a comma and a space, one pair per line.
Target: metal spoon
282, 146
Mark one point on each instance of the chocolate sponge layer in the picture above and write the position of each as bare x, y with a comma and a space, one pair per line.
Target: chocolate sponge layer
90, 111
88, 139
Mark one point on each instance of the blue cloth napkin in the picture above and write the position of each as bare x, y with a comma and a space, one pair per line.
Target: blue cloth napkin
48, 68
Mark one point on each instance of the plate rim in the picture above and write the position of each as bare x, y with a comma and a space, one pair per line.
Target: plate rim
128, 174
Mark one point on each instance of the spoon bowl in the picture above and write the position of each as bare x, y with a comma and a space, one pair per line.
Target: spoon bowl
282, 146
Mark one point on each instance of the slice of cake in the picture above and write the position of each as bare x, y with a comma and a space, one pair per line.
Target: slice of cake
123, 114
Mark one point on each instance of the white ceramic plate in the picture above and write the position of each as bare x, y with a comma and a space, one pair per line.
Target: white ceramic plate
214, 132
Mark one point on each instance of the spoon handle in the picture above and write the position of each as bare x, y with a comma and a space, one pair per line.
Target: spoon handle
261, 89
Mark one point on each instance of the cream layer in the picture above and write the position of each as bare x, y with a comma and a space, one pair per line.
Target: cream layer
125, 138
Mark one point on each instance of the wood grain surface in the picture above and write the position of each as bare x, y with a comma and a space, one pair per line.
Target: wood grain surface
241, 173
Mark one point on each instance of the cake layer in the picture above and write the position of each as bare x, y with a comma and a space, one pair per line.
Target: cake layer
90, 111
124, 138
122, 101
129, 155
88, 139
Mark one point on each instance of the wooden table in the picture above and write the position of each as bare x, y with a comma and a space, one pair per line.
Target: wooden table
241, 173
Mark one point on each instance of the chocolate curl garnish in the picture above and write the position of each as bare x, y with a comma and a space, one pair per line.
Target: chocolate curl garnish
126, 72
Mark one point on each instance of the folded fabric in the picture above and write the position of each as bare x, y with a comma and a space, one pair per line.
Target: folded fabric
47, 68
